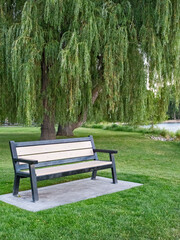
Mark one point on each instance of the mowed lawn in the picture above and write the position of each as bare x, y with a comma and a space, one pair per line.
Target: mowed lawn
151, 211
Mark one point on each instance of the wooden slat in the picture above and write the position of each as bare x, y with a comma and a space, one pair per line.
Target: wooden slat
59, 155
57, 162
70, 167
22, 151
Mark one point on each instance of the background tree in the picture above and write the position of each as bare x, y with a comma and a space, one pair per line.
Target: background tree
174, 106
57, 54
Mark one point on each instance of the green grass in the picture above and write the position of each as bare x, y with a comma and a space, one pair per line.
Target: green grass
147, 212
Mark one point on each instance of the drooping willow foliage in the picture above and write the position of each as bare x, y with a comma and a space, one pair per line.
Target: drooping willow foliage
55, 52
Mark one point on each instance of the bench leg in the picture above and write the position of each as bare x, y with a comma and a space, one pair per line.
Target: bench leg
94, 175
114, 177
33, 179
16, 185
113, 169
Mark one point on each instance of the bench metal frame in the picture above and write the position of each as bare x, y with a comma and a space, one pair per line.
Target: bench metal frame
32, 164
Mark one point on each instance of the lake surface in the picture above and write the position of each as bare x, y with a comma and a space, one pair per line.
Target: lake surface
172, 127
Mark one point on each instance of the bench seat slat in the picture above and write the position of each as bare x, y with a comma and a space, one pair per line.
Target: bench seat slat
22, 151
59, 155
70, 167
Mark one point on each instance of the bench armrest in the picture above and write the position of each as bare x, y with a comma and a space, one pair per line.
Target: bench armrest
25, 161
105, 151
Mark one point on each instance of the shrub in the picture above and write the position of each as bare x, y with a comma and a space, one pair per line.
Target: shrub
99, 126
178, 134
164, 133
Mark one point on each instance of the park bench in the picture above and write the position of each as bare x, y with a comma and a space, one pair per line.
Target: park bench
40, 160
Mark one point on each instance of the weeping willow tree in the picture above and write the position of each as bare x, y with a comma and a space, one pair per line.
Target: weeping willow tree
6, 98
10, 13
66, 61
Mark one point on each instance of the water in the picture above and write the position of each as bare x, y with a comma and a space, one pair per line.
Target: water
172, 127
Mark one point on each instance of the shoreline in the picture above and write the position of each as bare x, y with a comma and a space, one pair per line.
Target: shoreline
172, 121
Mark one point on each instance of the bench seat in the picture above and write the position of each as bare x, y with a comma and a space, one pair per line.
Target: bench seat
41, 160
71, 167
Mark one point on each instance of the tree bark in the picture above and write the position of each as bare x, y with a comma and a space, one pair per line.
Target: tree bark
47, 128
67, 130
48, 125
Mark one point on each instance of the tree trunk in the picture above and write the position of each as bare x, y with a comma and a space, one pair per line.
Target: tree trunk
47, 128
67, 130
48, 125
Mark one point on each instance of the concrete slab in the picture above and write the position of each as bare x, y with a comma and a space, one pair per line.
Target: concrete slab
65, 193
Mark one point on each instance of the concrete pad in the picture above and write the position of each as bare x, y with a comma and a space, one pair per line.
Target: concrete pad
65, 193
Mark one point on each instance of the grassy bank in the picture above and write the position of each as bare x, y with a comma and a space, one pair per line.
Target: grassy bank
147, 212
128, 128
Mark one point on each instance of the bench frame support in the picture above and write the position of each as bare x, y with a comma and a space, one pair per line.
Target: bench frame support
33, 180
16, 185
113, 169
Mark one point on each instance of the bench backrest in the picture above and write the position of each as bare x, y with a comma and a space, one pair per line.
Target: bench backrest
53, 152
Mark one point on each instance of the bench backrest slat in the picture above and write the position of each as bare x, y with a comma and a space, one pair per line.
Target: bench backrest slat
55, 152
23, 151
57, 162
50, 156
47, 142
